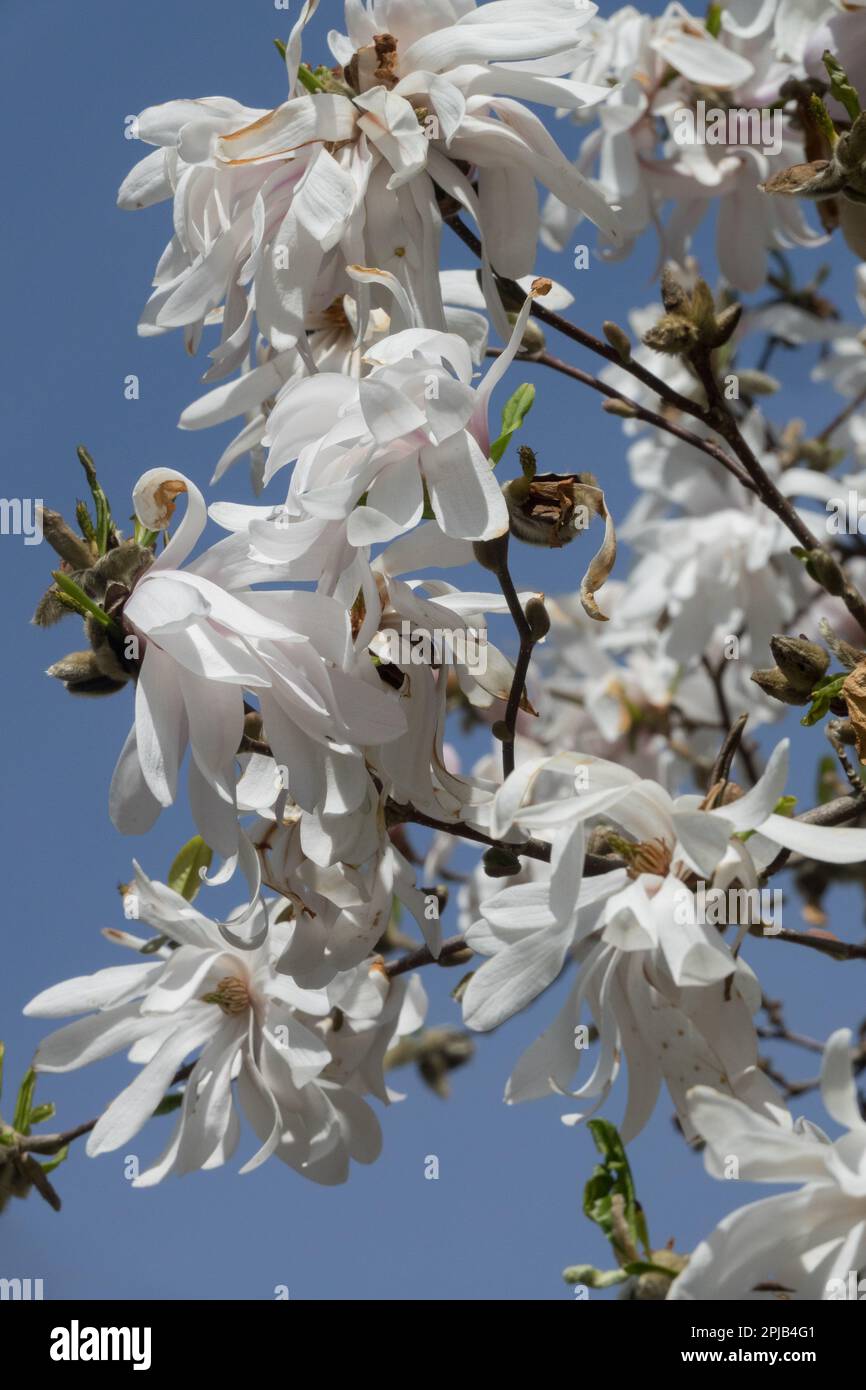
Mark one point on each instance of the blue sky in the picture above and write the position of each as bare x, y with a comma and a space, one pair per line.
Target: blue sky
504, 1217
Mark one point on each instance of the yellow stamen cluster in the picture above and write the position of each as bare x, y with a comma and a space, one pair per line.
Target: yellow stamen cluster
232, 995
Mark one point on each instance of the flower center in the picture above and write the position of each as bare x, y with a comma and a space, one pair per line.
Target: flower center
645, 857
232, 995
335, 314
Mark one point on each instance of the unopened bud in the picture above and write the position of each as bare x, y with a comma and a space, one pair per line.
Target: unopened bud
825, 570
726, 324
457, 957
533, 342
674, 297
618, 339
500, 862
501, 731
803, 663
775, 684
674, 335
492, 554
538, 618
755, 383
622, 408
64, 541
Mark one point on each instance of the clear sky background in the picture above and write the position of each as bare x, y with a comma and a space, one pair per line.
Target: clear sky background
504, 1217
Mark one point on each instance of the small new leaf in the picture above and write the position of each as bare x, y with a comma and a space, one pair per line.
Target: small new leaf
514, 412
827, 690
184, 876
610, 1199
840, 86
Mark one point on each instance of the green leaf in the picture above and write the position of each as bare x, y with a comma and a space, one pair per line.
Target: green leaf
24, 1103
613, 1178
56, 1161
840, 87
184, 876
828, 689
713, 23
100, 501
308, 79
281, 48
638, 1267
40, 1113
822, 119
82, 602
783, 807
85, 522
143, 537
515, 411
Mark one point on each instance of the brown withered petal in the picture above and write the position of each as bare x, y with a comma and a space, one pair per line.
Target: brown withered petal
604, 559
854, 695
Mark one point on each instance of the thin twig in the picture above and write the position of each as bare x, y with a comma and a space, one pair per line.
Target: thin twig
843, 417
641, 412
423, 956
716, 415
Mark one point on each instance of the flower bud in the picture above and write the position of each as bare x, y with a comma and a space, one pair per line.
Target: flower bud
674, 335
492, 554
825, 570
501, 862
538, 618
775, 684
726, 324
618, 339
624, 409
801, 662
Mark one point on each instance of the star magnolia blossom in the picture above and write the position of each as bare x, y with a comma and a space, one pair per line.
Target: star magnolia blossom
415, 423
203, 646
266, 1047
269, 206
662, 67
648, 959
807, 1242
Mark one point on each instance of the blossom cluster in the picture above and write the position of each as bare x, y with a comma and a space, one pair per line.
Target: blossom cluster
310, 237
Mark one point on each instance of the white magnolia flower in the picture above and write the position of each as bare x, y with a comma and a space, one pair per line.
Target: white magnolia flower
336, 342
341, 893
752, 580
649, 957
265, 1047
413, 425
203, 646
845, 365
663, 67
269, 206
809, 1244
